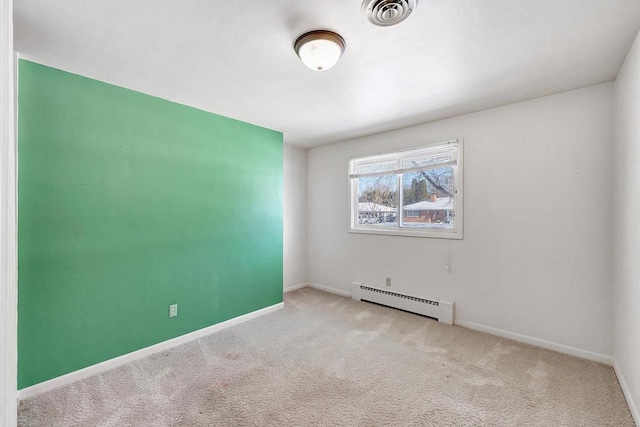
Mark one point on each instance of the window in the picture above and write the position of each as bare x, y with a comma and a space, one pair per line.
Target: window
416, 192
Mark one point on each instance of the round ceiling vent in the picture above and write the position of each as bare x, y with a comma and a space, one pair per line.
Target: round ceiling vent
385, 13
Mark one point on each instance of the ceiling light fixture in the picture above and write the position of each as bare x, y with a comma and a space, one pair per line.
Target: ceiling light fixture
320, 49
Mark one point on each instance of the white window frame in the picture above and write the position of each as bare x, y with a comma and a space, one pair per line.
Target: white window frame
430, 232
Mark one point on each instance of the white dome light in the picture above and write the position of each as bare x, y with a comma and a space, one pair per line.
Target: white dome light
320, 50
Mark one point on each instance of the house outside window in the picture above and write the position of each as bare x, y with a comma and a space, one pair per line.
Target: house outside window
416, 192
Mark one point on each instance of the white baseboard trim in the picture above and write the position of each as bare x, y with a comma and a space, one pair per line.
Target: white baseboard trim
295, 287
560, 348
89, 371
627, 393
330, 290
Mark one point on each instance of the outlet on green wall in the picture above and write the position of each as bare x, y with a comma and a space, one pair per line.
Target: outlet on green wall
127, 204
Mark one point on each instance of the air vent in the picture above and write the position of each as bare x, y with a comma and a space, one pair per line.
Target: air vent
385, 13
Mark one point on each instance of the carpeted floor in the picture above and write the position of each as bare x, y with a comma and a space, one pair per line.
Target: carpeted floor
326, 360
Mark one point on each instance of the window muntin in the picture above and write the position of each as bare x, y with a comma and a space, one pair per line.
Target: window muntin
416, 192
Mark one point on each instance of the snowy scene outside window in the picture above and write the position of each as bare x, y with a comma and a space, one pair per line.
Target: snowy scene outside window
416, 192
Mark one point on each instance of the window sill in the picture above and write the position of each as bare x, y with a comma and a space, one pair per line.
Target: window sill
432, 234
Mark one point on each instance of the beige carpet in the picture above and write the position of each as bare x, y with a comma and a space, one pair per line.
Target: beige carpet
326, 360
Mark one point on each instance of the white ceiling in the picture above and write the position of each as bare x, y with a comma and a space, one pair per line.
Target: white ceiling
235, 57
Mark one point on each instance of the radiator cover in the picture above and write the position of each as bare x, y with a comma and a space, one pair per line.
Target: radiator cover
443, 311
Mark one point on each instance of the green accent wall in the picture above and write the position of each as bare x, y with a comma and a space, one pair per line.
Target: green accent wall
129, 203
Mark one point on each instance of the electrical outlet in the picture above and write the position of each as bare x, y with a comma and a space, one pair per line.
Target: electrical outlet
173, 310
388, 281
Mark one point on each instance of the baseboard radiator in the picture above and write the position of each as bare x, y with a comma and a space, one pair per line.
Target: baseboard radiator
443, 311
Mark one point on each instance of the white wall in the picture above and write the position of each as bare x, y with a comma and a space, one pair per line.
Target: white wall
627, 229
8, 260
536, 258
295, 215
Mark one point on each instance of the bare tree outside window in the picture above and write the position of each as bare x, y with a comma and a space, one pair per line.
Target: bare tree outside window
378, 200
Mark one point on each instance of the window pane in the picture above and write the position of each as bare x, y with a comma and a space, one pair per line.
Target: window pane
427, 198
411, 192
378, 201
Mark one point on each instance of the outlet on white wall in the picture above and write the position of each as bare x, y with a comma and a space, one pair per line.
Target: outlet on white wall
388, 281
173, 310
